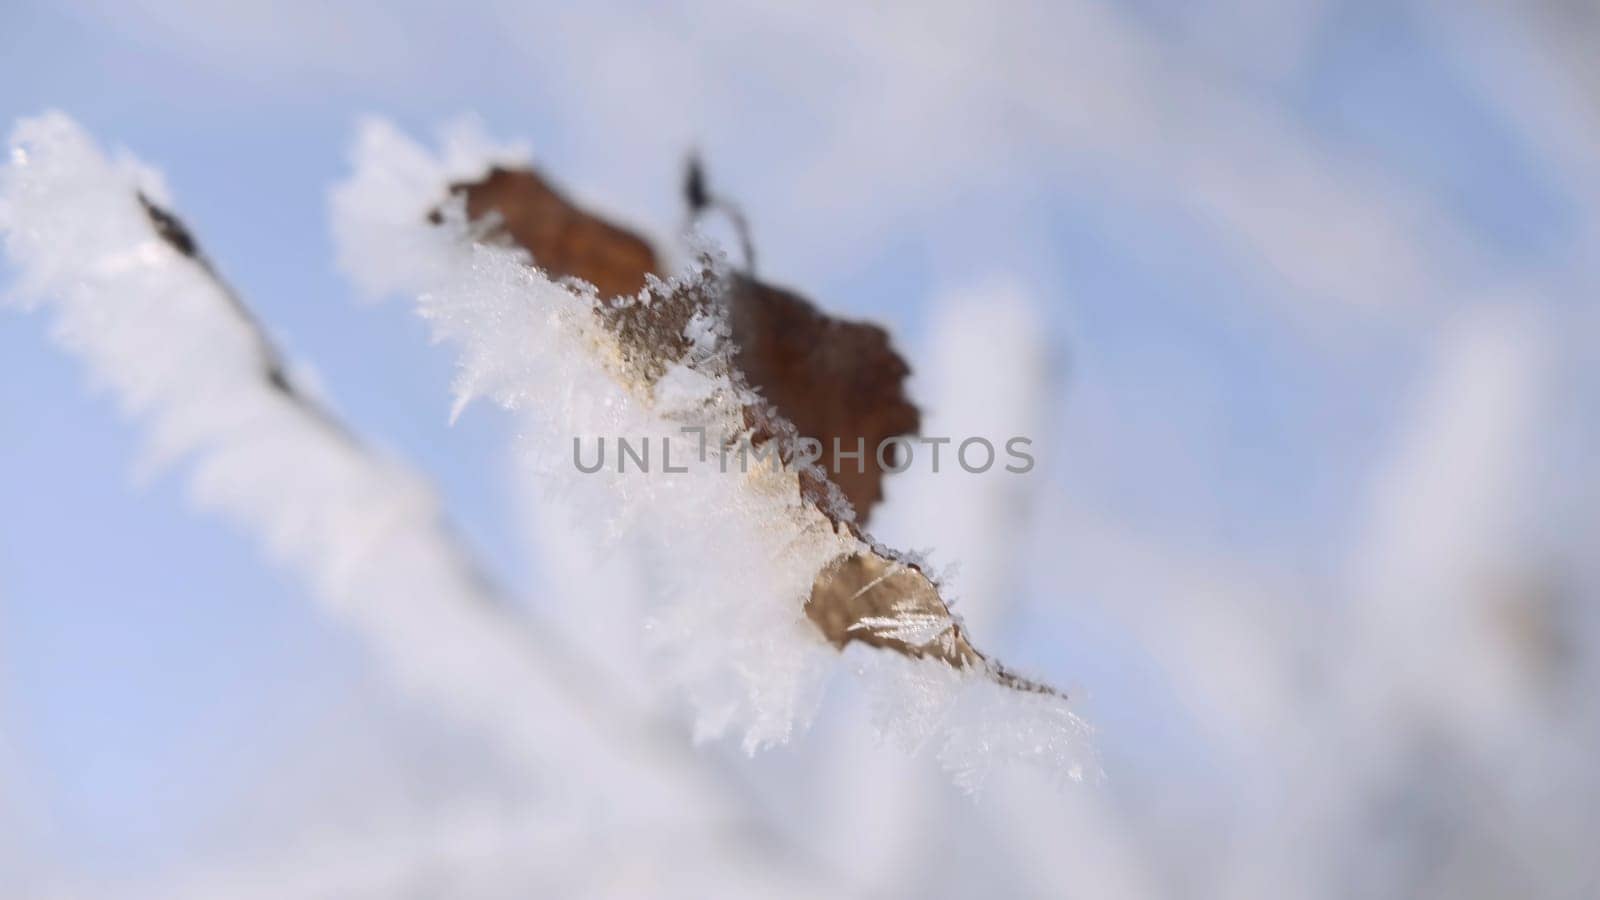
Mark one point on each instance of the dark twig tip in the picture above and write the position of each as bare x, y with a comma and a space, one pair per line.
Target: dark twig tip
694, 185
697, 194
169, 228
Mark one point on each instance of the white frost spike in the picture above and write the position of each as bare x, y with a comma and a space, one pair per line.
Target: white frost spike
732, 558
918, 629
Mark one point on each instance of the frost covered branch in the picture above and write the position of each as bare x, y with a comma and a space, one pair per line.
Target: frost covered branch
754, 574
273, 369
137, 301
753, 577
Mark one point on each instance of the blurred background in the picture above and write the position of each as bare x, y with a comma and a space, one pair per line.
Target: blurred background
1296, 299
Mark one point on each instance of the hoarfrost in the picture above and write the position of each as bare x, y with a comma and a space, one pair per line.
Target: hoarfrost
733, 555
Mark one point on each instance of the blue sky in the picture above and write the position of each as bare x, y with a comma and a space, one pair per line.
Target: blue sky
1236, 359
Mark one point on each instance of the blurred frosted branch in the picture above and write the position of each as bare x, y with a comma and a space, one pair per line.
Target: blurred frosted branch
137, 300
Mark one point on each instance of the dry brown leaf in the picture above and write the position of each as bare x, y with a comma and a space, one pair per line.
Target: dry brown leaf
836, 380
564, 240
893, 604
817, 376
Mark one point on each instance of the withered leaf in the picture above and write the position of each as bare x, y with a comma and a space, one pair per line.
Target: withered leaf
817, 376
837, 381
834, 379
564, 240
889, 604
893, 604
